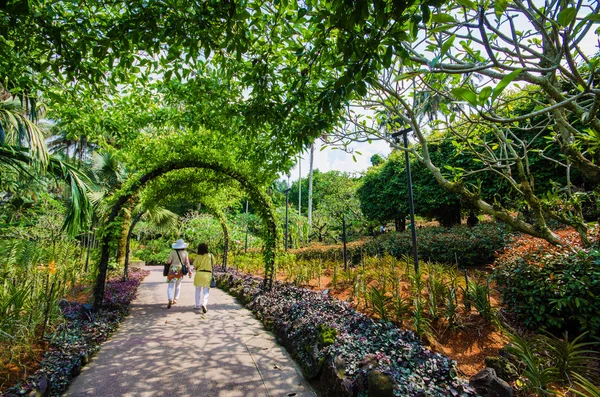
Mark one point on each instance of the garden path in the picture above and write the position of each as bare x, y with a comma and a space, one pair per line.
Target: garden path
178, 352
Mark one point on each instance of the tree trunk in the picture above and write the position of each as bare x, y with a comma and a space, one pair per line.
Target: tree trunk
344, 251
127, 246
225, 241
310, 185
124, 236
400, 224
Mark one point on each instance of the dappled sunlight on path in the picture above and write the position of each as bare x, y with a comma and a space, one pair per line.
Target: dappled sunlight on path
177, 352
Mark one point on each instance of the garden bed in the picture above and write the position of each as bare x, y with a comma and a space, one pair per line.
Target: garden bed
345, 352
79, 337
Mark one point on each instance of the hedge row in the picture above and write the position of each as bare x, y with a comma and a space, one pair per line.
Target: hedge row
469, 246
553, 288
349, 353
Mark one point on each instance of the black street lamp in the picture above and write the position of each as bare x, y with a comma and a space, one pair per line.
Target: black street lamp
411, 202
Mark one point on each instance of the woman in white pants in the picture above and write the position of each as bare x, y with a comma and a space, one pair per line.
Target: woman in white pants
178, 258
203, 265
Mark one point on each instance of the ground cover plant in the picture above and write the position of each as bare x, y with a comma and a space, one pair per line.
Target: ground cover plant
348, 351
78, 335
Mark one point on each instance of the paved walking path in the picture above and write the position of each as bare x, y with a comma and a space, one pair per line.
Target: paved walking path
178, 352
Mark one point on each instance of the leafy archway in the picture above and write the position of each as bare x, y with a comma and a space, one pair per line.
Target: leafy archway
260, 198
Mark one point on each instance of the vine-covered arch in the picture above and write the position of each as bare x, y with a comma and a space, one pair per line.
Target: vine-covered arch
264, 209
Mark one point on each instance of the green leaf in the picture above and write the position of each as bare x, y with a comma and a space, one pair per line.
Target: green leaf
466, 95
361, 88
592, 17
566, 16
500, 6
485, 94
467, 4
442, 18
506, 80
387, 58
448, 44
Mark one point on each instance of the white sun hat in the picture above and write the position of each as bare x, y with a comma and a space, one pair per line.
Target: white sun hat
179, 244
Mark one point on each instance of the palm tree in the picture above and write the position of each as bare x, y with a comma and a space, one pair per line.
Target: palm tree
161, 219
23, 148
111, 174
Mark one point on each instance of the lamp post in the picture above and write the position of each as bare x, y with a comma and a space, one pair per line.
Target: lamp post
287, 206
411, 203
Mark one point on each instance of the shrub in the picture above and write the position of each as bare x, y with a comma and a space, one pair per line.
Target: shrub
153, 258
551, 287
471, 246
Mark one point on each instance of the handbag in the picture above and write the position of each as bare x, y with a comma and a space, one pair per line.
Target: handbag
166, 269
213, 282
184, 268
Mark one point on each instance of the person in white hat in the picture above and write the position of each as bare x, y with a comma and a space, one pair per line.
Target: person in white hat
178, 258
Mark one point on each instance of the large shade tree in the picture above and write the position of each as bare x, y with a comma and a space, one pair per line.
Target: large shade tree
469, 54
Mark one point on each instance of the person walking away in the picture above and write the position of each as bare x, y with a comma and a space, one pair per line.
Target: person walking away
203, 264
178, 258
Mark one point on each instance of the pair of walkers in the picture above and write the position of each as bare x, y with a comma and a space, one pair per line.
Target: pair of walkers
203, 267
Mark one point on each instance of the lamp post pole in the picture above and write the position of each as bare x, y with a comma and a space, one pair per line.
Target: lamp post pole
411, 202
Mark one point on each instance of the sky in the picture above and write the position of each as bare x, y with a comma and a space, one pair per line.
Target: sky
328, 159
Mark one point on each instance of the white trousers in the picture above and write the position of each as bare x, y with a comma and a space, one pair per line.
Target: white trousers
174, 286
202, 295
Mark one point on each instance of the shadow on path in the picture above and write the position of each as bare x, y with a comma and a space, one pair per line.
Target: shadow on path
179, 352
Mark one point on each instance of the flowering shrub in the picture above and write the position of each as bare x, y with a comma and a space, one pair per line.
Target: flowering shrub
342, 347
471, 246
556, 288
80, 336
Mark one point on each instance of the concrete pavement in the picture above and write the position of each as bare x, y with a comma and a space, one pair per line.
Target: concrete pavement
179, 352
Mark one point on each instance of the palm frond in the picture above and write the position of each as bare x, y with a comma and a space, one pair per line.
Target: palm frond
79, 211
161, 219
16, 129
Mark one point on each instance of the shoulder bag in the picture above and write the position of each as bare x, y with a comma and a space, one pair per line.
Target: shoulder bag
184, 268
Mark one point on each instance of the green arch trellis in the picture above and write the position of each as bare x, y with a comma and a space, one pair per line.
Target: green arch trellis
264, 209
